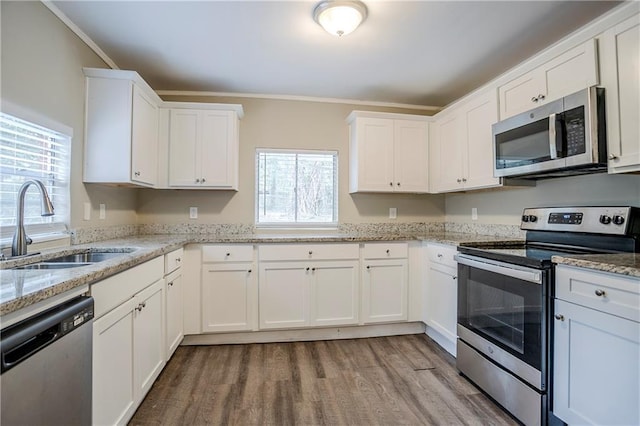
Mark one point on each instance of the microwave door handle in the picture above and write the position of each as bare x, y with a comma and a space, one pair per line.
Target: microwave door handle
553, 149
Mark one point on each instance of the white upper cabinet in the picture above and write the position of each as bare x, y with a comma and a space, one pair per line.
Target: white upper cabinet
388, 152
202, 145
567, 73
461, 146
121, 140
620, 71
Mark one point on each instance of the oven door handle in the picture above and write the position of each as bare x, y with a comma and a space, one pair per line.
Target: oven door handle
525, 274
553, 148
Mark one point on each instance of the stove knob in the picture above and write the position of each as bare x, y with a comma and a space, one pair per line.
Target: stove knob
533, 218
525, 218
618, 220
604, 219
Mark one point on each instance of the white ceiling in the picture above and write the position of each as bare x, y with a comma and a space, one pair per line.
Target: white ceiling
410, 52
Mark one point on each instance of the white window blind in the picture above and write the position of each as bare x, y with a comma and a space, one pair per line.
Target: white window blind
296, 188
29, 151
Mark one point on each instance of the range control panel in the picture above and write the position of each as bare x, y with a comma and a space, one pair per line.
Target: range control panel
599, 220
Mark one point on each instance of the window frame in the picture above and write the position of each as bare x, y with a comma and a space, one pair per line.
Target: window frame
297, 225
57, 229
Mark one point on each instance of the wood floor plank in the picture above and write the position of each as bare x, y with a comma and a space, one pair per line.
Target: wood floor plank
399, 380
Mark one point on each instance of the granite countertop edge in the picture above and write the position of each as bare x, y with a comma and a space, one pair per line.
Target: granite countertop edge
622, 264
151, 246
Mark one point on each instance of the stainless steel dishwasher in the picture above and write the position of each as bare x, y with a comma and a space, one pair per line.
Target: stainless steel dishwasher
46, 367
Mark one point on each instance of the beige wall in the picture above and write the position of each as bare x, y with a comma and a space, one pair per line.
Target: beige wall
41, 71
505, 206
285, 124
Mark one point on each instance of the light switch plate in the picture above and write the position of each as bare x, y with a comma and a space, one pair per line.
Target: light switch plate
103, 211
193, 212
87, 211
393, 213
474, 213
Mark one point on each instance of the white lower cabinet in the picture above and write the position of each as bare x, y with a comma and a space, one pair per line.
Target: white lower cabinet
227, 297
303, 285
128, 340
596, 354
174, 304
385, 279
441, 297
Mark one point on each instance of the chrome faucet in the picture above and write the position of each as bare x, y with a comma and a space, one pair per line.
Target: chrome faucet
20, 239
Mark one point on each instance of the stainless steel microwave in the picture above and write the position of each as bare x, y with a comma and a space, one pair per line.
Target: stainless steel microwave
562, 138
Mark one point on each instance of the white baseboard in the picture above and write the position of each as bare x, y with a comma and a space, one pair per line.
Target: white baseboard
301, 335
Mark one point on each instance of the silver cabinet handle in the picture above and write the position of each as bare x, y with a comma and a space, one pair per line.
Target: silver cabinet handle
541, 97
559, 317
600, 293
613, 157
534, 99
553, 150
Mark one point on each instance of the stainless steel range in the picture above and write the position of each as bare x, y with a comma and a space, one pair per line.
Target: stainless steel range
505, 297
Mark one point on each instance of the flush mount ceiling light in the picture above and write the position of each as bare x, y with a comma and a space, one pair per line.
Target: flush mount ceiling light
339, 17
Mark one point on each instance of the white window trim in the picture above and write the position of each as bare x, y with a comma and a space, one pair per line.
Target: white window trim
297, 226
43, 231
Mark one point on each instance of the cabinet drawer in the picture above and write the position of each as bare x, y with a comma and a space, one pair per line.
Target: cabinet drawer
308, 251
614, 294
385, 250
117, 289
227, 253
443, 254
173, 260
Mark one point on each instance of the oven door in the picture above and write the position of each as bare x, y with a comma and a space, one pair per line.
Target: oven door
501, 313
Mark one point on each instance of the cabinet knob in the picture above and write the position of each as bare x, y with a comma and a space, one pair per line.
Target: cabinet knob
459, 180
313, 269
203, 180
249, 271
464, 179
388, 251
197, 180
390, 183
613, 157
136, 174
308, 268
398, 183
170, 284
228, 254
600, 293
454, 277
178, 260
559, 317
541, 97
310, 252
368, 267
534, 99
439, 254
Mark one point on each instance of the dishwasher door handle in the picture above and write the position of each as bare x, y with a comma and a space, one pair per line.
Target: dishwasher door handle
23, 351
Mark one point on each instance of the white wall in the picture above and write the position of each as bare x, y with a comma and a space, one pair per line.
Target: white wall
41, 71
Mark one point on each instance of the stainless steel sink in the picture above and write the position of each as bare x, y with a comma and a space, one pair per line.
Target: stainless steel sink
46, 265
91, 257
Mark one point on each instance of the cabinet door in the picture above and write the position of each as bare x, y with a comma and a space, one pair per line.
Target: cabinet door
374, 154
284, 294
219, 149
184, 149
144, 139
334, 293
411, 156
227, 297
451, 133
596, 377
442, 300
384, 289
521, 94
113, 391
620, 53
175, 327
480, 114
148, 337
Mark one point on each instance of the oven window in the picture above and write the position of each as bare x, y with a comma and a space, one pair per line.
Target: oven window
504, 310
499, 314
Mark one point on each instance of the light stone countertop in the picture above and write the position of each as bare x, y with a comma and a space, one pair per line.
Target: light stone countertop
22, 288
622, 263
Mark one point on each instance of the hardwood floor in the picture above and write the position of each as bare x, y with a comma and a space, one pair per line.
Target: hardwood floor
399, 380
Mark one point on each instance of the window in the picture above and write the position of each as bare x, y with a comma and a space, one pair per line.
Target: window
29, 151
296, 188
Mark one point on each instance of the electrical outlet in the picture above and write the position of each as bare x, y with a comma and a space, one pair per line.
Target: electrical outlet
103, 211
87, 211
193, 212
393, 213
474, 213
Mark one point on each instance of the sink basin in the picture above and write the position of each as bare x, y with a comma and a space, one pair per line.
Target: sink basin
45, 265
91, 257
